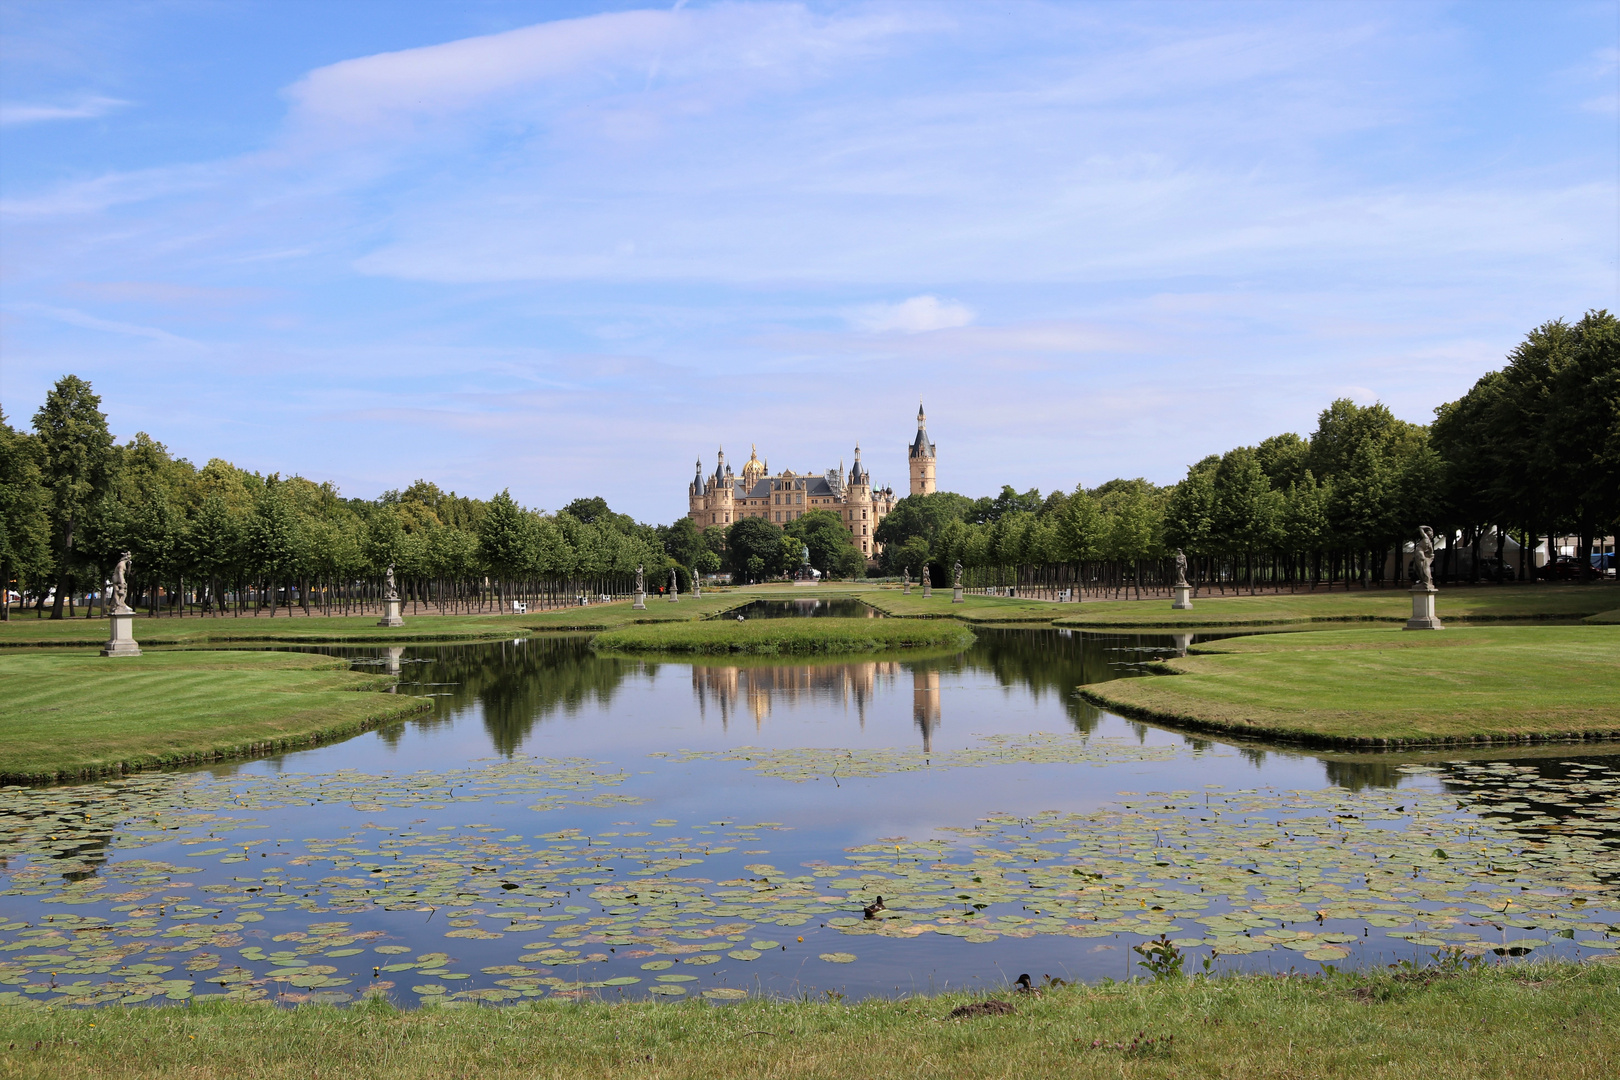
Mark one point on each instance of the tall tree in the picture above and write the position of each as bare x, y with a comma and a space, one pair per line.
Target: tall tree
25, 524
76, 457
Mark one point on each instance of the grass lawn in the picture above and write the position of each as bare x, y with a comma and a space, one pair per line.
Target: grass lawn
1372, 685
74, 713
772, 636
1514, 1022
1463, 604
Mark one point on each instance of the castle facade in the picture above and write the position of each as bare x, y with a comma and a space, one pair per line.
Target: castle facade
723, 497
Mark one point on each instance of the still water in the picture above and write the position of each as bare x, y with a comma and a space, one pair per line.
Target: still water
564, 823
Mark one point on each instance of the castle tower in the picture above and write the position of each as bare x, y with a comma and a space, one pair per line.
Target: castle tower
858, 505
694, 497
922, 457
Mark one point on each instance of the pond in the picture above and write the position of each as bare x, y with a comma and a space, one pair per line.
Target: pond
566, 824
810, 607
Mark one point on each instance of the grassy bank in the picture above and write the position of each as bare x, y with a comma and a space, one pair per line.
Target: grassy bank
1519, 1021
972, 609
774, 636
363, 629
1376, 685
1470, 604
75, 714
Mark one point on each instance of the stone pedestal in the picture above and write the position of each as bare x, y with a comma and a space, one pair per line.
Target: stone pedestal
641, 601
697, 588
1423, 616
956, 595
391, 615
121, 639
1183, 600
674, 596
928, 589
906, 589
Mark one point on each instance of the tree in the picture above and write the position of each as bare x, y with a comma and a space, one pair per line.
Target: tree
832, 548
75, 460
25, 524
750, 539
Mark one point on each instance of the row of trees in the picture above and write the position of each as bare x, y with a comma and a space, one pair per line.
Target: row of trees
222, 539
1532, 450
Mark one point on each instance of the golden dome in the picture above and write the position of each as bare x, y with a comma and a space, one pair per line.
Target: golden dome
753, 469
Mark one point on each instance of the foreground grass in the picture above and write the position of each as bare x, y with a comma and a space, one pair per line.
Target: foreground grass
1360, 686
773, 636
1520, 1021
1471, 604
73, 714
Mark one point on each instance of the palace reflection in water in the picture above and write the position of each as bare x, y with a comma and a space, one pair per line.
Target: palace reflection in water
854, 686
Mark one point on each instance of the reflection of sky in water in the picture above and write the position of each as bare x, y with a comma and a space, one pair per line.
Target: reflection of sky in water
675, 730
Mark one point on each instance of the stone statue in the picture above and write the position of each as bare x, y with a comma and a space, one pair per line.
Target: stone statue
804, 556
1423, 553
672, 581
390, 588
958, 571
1181, 567
905, 574
120, 584
640, 581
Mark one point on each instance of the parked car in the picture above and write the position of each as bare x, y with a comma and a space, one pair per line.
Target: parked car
1569, 568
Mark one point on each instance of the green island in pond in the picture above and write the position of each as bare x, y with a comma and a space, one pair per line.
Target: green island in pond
1389, 687
75, 714
1528, 1020
776, 636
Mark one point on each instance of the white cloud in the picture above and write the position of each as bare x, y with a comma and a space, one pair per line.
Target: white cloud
87, 109
915, 316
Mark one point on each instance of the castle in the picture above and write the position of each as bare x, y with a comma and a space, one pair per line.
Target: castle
724, 497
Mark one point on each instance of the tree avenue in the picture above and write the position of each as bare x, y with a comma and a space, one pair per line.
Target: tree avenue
1531, 451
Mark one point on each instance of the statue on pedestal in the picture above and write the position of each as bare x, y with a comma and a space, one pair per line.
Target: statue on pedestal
905, 577
390, 587
640, 587
120, 585
1181, 567
1423, 554
121, 619
957, 581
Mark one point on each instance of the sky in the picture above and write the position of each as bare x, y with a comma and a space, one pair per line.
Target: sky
568, 248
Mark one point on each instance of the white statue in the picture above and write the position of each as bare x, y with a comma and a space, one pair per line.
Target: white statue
120, 585
1181, 567
390, 589
640, 586
1423, 554
958, 572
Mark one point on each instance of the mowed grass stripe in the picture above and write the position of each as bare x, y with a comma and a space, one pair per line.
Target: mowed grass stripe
1371, 686
70, 714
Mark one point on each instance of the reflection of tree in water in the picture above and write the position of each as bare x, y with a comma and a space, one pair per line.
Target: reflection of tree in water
1059, 661
78, 834
1357, 775
517, 684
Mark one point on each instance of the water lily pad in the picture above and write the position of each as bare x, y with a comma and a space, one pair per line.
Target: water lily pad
744, 954
838, 957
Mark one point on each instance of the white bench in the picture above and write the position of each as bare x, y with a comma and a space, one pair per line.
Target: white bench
519, 608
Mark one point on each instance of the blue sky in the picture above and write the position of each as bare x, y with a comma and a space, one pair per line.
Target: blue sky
566, 248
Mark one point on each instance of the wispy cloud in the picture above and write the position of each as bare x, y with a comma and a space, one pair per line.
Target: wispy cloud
914, 316
87, 108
